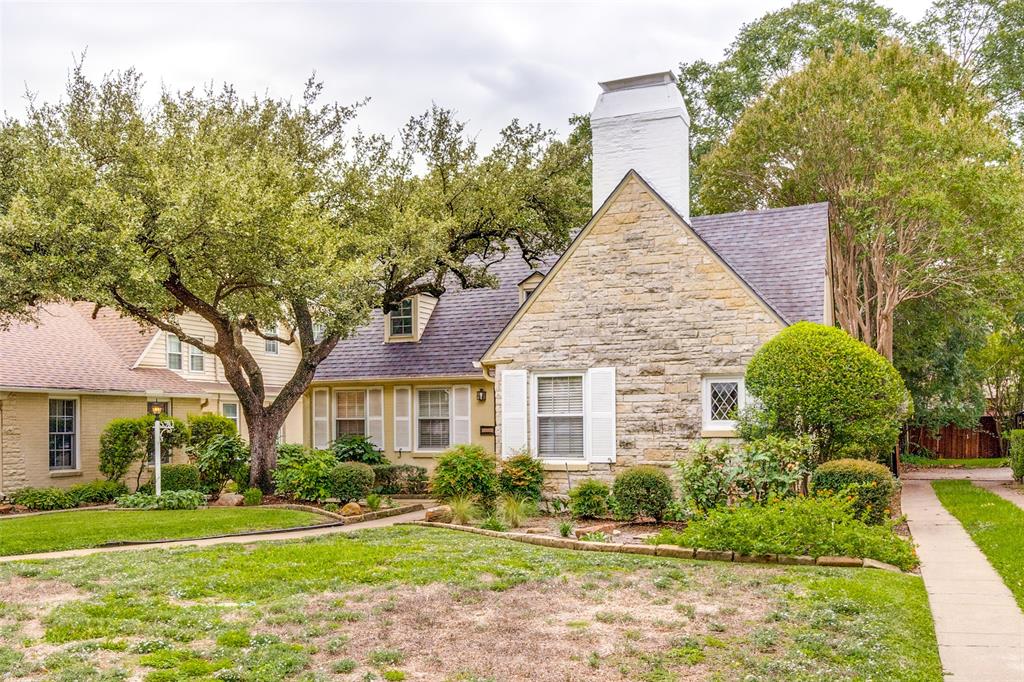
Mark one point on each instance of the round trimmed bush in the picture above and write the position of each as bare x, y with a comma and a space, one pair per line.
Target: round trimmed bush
820, 381
179, 477
869, 484
589, 499
205, 427
351, 481
466, 470
642, 491
522, 476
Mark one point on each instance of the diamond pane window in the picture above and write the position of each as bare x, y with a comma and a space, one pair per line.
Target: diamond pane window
723, 399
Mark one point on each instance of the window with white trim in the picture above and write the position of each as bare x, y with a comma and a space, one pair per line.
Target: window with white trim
319, 329
173, 352
271, 346
63, 433
401, 319
196, 359
349, 413
559, 415
230, 410
433, 419
723, 398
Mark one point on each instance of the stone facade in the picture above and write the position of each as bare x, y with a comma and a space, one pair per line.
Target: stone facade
640, 292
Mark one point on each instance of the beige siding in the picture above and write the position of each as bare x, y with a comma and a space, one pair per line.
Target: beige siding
424, 308
640, 293
481, 413
292, 429
24, 444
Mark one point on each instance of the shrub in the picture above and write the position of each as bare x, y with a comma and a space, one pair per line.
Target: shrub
1017, 454
814, 526
770, 467
399, 479
203, 428
175, 499
466, 470
252, 497
303, 473
179, 477
44, 499
565, 528
820, 381
707, 477
589, 499
374, 501
355, 448
122, 443
869, 484
464, 509
595, 536
514, 510
225, 457
493, 523
98, 492
351, 481
642, 491
522, 475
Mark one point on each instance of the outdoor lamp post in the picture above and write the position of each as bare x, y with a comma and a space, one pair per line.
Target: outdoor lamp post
158, 428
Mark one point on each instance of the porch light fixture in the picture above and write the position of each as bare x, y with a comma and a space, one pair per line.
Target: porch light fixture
481, 395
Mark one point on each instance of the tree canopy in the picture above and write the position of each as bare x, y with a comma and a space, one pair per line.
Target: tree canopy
262, 214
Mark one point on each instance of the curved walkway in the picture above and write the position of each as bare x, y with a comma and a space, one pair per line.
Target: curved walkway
235, 539
979, 627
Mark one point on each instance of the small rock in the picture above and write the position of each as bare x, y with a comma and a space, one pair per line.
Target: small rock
442, 514
599, 528
229, 500
6, 508
352, 509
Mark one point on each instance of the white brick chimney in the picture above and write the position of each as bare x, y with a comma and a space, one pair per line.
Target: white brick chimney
642, 123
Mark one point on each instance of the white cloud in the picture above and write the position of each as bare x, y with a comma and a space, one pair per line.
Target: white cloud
492, 61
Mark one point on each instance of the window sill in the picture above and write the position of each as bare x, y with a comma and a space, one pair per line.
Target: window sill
65, 473
719, 433
563, 464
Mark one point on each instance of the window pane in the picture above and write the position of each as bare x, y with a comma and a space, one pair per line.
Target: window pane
434, 404
173, 352
401, 319
196, 359
350, 427
350, 404
725, 398
560, 437
560, 395
62, 433
434, 434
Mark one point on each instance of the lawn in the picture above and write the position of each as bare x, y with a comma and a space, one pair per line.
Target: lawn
996, 526
942, 463
416, 603
73, 530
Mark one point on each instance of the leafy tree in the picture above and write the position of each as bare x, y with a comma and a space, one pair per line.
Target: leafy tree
260, 213
924, 186
1001, 363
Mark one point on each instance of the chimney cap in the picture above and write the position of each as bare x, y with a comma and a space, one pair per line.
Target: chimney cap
644, 81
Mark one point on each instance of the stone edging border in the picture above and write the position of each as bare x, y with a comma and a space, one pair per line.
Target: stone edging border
668, 550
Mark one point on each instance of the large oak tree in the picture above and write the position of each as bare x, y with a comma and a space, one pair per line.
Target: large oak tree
260, 214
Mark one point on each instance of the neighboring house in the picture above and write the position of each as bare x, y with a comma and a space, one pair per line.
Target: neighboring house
62, 381
632, 346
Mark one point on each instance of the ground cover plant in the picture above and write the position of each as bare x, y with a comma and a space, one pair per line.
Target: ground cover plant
72, 530
430, 604
994, 524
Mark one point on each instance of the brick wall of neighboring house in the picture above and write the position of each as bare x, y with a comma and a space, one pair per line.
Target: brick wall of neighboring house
26, 427
642, 294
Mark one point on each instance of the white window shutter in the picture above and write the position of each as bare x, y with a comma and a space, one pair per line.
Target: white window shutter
375, 416
321, 420
461, 430
600, 414
403, 418
513, 411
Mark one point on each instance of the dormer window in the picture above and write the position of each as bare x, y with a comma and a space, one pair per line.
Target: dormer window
402, 319
529, 285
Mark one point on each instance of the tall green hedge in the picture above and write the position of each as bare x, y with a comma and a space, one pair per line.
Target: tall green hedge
820, 381
1017, 454
205, 427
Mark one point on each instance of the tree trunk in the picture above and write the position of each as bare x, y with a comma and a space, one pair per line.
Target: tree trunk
263, 449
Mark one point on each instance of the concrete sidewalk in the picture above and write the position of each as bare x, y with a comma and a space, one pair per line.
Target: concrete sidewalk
235, 539
979, 627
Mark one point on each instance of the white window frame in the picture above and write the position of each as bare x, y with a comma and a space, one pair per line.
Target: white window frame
416, 417
196, 353
412, 320
710, 424
535, 415
272, 346
237, 419
334, 411
75, 435
180, 352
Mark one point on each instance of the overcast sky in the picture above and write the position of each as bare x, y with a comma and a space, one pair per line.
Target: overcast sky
491, 61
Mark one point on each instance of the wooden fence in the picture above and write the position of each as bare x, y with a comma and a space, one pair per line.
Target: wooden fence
954, 442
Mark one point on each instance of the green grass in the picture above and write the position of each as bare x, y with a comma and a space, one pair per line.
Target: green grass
297, 610
74, 530
943, 463
996, 526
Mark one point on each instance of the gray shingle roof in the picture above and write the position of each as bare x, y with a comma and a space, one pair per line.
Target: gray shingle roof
780, 253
